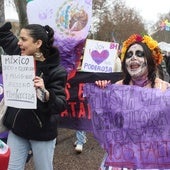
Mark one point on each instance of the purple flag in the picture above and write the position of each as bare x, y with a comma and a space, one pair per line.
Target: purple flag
132, 124
1, 88
70, 19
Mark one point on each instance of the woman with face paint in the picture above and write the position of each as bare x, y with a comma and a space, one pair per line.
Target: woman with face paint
140, 57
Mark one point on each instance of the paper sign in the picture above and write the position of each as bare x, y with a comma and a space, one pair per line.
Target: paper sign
18, 73
99, 56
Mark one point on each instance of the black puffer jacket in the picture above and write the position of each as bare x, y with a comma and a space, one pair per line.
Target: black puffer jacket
41, 123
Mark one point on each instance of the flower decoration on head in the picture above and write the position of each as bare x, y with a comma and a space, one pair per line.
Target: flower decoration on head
149, 41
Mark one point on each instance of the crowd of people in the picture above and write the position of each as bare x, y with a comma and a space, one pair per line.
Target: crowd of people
36, 129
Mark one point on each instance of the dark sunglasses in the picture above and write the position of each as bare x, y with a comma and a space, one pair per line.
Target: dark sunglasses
138, 53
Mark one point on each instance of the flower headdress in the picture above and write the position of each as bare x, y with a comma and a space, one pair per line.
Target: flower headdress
151, 43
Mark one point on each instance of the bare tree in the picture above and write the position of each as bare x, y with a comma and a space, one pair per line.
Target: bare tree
126, 21
2, 12
21, 9
97, 16
116, 21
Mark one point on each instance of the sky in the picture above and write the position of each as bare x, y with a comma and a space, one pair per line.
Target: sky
148, 9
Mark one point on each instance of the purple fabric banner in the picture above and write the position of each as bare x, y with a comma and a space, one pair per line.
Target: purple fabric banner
1, 88
132, 124
4, 134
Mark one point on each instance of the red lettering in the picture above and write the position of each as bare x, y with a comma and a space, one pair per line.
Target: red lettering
64, 114
89, 112
80, 92
151, 150
72, 106
141, 149
162, 148
67, 91
82, 112
117, 151
128, 153
120, 152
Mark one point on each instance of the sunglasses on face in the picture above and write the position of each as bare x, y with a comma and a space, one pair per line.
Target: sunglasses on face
138, 53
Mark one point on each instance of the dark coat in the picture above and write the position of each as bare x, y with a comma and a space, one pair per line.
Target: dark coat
41, 123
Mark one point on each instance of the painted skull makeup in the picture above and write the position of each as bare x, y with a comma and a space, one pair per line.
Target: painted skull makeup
136, 62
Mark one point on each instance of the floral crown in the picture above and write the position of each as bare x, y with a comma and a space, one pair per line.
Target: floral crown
151, 43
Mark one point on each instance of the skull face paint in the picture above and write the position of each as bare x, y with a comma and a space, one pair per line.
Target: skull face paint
136, 62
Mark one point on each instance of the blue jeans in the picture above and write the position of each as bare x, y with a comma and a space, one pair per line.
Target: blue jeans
43, 152
81, 137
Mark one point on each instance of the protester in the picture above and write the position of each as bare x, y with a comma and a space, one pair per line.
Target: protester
140, 57
163, 67
167, 62
81, 137
80, 140
36, 129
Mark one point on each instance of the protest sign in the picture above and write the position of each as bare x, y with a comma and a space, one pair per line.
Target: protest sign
132, 124
18, 73
99, 56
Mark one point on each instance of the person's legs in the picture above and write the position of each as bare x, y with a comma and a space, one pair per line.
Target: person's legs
18, 151
29, 155
81, 139
43, 153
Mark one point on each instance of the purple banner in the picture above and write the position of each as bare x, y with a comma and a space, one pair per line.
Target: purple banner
70, 19
132, 124
1, 88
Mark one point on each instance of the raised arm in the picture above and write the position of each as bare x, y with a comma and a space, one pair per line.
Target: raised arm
8, 41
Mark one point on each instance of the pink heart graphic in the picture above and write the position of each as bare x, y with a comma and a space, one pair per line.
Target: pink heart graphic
99, 57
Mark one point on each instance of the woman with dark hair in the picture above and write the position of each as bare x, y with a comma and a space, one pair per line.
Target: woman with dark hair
36, 129
140, 57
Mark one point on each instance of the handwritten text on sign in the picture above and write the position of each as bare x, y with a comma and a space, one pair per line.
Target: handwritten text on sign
18, 73
132, 124
99, 56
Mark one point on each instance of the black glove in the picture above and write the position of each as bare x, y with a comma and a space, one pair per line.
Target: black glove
6, 27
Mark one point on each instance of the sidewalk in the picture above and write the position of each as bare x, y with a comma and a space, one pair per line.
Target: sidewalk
65, 158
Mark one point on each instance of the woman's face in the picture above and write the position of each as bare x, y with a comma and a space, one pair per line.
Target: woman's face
27, 44
136, 62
